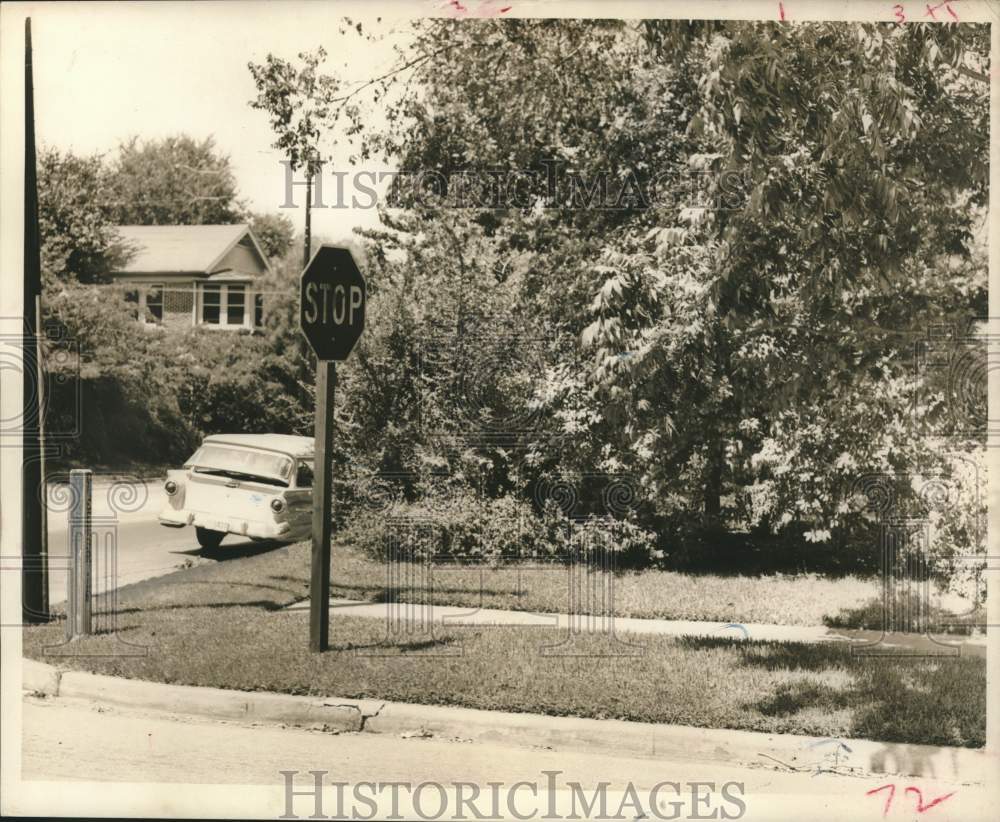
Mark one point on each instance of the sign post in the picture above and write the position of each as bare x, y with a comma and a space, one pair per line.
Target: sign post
332, 299
79, 620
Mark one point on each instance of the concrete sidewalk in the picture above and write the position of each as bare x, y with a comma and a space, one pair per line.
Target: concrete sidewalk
863, 642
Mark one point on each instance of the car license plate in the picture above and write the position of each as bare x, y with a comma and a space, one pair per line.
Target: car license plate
215, 525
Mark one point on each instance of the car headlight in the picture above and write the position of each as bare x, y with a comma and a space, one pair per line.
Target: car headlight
277, 505
171, 487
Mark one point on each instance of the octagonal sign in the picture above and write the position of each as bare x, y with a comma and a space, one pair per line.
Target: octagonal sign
332, 303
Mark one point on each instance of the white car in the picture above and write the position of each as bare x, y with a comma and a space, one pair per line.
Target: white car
252, 485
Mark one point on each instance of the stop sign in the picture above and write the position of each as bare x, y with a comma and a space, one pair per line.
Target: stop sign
332, 303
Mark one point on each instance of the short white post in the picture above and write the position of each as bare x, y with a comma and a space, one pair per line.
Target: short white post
78, 613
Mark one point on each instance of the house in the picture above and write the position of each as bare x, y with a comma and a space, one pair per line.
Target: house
188, 275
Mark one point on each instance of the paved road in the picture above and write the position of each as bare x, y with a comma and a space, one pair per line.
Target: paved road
125, 516
69, 740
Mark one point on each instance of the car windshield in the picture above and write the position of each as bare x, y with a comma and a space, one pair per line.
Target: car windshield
242, 463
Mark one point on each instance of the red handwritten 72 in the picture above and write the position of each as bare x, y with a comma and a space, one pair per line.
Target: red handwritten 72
921, 807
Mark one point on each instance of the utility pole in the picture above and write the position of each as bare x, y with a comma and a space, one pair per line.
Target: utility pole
307, 241
34, 553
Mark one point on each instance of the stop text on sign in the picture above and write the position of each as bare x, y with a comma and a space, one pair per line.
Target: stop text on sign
332, 297
326, 303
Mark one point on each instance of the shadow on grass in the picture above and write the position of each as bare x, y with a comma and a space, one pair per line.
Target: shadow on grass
908, 615
263, 604
166, 594
894, 699
402, 648
240, 550
417, 594
792, 698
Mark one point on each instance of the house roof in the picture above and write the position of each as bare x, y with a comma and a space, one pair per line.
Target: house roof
188, 249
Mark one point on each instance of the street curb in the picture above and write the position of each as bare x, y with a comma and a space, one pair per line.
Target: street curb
615, 737
213, 702
40, 678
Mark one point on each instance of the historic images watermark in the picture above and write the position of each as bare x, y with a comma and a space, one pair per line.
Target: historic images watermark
53, 399
952, 365
488, 410
547, 798
61, 421
587, 560
909, 513
550, 186
114, 497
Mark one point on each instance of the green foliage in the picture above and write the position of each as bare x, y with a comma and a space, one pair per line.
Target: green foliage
460, 525
298, 101
174, 181
77, 237
150, 395
745, 344
236, 383
105, 365
275, 233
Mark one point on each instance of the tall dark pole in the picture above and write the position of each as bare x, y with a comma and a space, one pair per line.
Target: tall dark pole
35, 583
307, 242
326, 382
332, 298
319, 589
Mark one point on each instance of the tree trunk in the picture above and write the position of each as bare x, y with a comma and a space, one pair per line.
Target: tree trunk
713, 482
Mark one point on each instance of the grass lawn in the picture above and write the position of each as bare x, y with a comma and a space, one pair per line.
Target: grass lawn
221, 625
784, 599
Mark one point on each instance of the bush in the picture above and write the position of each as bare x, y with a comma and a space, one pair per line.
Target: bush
462, 526
235, 382
457, 526
148, 397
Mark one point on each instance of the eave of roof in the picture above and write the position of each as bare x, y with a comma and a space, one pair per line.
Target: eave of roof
184, 250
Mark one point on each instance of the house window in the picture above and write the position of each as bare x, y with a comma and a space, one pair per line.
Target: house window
211, 303
132, 298
235, 305
147, 301
154, 302
304, 474
224, 306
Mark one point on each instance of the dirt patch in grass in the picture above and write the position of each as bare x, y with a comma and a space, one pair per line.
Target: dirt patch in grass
223, 626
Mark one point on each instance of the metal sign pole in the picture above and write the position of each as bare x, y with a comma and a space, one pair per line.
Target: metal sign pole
332, 297
78, 616
319, 590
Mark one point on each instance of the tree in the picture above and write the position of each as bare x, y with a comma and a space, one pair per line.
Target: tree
745, 342
298, 101
174, 181
77, 234
860, 151
275, 232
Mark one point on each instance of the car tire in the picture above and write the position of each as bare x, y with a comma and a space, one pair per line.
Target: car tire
208, 538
